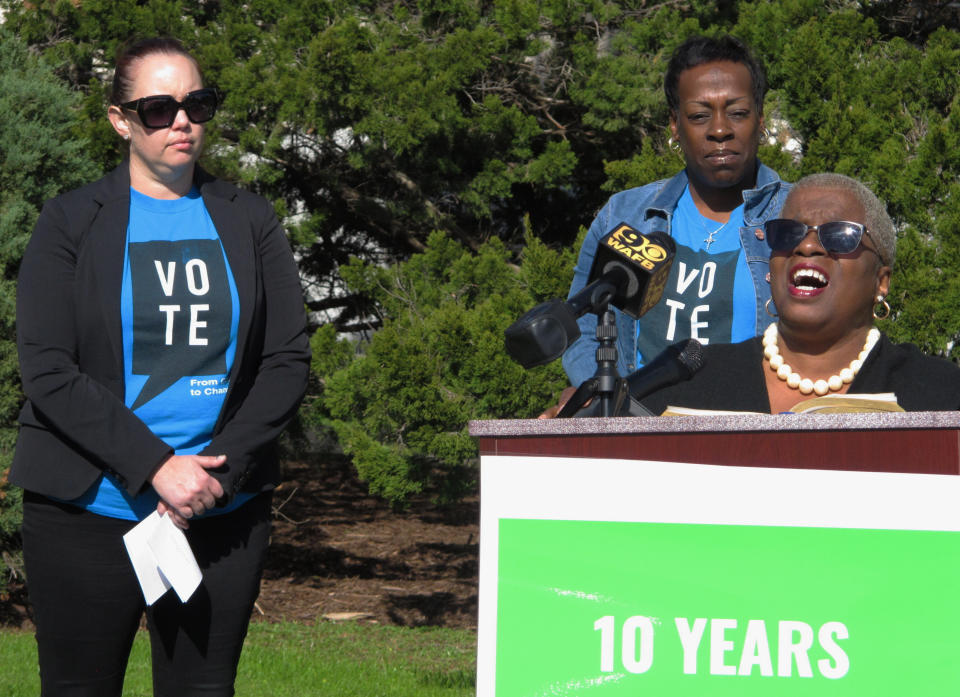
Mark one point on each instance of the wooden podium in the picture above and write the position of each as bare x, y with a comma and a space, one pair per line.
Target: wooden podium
917, 442
742, 555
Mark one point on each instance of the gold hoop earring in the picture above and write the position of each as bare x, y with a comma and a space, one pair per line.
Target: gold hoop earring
766, 307
886, 308
675, 147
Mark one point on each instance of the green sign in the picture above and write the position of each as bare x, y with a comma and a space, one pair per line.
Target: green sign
637, 608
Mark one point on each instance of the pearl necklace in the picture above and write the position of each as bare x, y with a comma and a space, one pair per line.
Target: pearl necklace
771, 353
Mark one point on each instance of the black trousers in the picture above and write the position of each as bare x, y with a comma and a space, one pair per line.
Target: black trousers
87, 603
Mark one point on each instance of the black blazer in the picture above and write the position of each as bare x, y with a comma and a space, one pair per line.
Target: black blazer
732, 378
74, 424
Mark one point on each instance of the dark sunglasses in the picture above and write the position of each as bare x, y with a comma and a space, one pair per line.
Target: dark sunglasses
837, 236
160, 110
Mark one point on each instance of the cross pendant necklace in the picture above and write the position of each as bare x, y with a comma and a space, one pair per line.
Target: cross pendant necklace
710, 239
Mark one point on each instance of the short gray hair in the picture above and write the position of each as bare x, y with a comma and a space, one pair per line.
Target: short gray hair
877, 220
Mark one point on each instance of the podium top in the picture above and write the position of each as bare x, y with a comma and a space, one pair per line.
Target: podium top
917, 442
753, 423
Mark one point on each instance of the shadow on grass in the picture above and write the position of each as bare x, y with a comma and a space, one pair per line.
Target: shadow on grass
428, 609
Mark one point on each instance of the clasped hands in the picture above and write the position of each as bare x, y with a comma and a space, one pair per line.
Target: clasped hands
185, 487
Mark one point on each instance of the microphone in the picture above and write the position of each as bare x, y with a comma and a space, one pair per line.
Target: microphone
629, 271
643, 262
542, 334
675, 364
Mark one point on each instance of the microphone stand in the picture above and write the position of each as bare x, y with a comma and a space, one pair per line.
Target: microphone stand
606, 388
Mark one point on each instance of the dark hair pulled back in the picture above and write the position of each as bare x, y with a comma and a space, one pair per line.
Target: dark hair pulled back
698, 50
136, 50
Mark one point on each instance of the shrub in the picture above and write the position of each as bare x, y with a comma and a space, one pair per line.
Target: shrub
40, 155
400, 405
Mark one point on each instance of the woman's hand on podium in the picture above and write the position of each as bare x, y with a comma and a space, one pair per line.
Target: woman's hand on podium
551, 413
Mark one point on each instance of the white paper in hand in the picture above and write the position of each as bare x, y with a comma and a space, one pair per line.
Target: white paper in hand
162, 558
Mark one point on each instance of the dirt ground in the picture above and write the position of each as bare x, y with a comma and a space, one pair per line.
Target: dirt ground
337, 553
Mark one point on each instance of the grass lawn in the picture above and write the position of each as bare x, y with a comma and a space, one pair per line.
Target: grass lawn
294, 660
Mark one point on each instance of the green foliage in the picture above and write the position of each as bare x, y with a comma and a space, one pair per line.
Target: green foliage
883, 110
376, 123
646, 166
40, 155
400, 408
373, 125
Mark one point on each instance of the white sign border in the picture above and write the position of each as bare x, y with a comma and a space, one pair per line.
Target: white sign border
557, 488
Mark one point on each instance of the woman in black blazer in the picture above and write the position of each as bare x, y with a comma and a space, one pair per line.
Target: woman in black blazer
163, 348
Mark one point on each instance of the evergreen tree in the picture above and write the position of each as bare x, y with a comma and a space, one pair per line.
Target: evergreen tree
41, 154
884, 111
372, 126
400, 408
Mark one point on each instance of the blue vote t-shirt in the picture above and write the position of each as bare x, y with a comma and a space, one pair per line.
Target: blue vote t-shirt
709, 295
179, 313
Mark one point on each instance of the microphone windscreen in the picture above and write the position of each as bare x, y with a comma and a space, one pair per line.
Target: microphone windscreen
542, 334
691, 355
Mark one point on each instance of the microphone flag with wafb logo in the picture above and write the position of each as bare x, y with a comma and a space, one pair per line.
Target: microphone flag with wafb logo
645, 257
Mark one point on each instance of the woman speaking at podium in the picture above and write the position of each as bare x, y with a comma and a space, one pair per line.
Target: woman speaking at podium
832, 251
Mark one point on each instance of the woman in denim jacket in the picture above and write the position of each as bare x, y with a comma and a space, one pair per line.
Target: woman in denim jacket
714, 210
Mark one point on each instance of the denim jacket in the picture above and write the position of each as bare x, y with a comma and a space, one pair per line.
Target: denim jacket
649, 208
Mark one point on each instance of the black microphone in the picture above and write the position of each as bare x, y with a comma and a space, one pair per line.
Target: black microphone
675, 364
630, 271
542, 334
